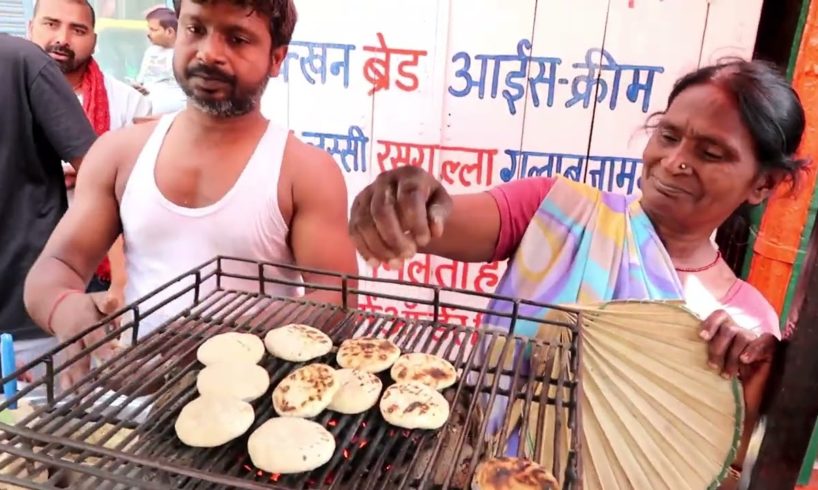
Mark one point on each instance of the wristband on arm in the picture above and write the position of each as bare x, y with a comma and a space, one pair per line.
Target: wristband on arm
60, 299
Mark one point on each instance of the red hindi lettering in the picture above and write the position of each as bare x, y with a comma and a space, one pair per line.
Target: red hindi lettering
487, 278
377, 305
383, 271
414, 83
454, 317
394, 154
419, 269
391, 309
451, 274
478, 320
377, 69
367, 303
482, 168
411, 312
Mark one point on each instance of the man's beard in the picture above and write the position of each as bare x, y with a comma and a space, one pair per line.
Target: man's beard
238, 102
70, 64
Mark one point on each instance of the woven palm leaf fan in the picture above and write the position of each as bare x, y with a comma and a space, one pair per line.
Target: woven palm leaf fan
653, 415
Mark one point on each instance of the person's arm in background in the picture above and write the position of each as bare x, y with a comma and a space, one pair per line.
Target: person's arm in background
318, 231
59, 114
139, 83
142, 107
143, 67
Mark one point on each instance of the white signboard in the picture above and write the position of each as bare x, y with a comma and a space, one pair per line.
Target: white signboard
482, 92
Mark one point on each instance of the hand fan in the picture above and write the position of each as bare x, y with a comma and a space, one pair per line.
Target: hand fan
652, 413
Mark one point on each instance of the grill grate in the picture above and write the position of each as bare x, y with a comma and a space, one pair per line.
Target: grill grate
114, 429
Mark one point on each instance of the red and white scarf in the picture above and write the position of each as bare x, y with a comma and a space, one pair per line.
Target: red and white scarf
95, 104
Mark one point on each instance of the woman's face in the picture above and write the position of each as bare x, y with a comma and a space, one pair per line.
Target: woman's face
699, 164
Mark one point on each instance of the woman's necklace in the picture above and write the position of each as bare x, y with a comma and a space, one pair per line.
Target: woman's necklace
700, 269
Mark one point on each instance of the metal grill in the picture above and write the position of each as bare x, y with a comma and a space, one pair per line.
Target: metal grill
115, 428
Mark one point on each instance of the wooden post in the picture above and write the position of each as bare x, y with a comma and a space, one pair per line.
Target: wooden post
785, 226
793, 393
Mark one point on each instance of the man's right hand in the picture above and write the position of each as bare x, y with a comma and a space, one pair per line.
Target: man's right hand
74, 314
402, 211
70, 176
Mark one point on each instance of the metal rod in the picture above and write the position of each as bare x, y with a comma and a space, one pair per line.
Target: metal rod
558, 415
135, 328
345, 292
261, 282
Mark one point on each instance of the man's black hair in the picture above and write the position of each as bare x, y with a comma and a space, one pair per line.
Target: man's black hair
281, 14
166, 17
81, 2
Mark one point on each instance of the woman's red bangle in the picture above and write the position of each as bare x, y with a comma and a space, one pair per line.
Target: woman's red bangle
59, 300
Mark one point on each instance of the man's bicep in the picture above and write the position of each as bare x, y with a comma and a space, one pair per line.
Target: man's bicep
58, 112
311, 235
321, 219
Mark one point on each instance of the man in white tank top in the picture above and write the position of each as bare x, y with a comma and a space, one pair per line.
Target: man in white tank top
215, 179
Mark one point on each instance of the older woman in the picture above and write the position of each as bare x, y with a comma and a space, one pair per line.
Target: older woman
726, 139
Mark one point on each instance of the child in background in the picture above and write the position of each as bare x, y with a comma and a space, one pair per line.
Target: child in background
156, 79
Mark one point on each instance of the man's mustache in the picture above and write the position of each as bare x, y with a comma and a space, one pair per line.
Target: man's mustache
211, 72
60, 49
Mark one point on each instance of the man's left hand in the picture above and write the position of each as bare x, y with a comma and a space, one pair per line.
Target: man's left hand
25, 376
733, 350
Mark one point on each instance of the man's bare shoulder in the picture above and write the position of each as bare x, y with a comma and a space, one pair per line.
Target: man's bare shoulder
309, 159
133, 136
114, 153
119, 145
313, 174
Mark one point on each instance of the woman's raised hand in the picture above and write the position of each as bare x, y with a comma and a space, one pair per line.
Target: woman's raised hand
399, 213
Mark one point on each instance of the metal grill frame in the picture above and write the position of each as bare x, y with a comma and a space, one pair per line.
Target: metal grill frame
39, 444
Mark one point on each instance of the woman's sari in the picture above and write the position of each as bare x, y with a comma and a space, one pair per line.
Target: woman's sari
582, 246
